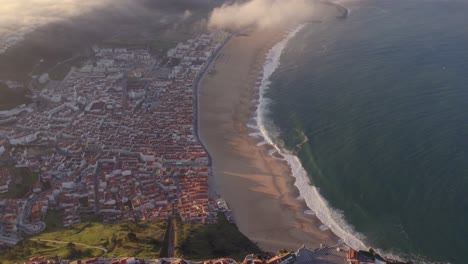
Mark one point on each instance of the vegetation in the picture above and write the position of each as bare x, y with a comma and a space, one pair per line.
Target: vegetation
21, 184
53, 220
201, 242
60, 71
11, 98
139, 239
29, 248
161, 45
91, 239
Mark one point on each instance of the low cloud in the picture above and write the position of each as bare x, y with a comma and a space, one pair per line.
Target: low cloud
25, 15
261, 13
32, 13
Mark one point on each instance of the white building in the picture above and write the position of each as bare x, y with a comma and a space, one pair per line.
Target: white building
44, 78
137, 94
105, 63
147, 157
68, 185
171, 53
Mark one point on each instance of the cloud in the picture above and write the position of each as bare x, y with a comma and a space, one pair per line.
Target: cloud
18, 15
261, 13
32, 13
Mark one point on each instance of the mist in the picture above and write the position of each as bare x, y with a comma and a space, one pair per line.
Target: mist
55, 30
22, 14
16, 14
261, 13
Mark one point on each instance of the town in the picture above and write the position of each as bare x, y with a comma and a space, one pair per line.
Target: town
117, 137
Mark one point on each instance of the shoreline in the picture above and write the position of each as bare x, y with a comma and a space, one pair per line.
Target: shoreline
342, 11
315, 203
258, 186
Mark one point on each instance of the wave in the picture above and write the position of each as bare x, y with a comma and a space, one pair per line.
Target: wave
331, 218
264, 129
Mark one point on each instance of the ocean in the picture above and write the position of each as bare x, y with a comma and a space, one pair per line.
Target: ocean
371, 112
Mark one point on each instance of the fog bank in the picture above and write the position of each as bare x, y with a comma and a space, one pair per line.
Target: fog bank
261, 13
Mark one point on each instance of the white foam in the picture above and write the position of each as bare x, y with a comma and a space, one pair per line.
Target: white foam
261, 143
309, 212
256, 135
252, 126
278, 158
330, 218
271, 152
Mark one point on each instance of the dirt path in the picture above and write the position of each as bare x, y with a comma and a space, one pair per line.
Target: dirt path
66, 242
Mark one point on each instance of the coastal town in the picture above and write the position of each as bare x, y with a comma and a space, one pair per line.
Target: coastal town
233, 132
117, 137
116, 140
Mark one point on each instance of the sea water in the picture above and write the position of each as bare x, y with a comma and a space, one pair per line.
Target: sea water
382, 99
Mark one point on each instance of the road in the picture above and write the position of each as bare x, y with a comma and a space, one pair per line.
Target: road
196, 93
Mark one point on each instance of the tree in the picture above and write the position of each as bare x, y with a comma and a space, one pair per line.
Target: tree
132, 236
46, 186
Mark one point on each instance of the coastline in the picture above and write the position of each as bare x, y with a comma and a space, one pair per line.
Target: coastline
316, 204
342, 11
258, 185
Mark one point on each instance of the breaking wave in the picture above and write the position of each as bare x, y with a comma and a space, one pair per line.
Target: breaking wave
331, 218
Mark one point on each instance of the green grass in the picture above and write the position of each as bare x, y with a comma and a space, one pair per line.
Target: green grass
23, 180
201, 242
30, 248
127, 239
115, 238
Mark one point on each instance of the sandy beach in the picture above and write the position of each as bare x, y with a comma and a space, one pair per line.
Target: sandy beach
258, 188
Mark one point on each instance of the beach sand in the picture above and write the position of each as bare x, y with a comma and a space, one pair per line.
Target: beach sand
258, 188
